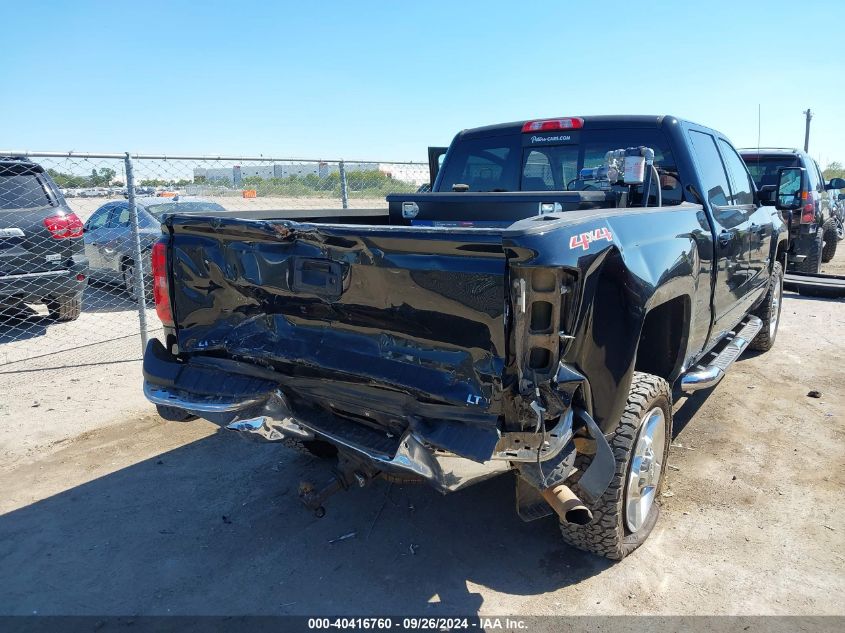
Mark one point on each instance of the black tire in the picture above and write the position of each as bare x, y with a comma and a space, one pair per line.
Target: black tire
65, 309
174, 414
830, 239
769, 311
129, 283
608, 534
813, 262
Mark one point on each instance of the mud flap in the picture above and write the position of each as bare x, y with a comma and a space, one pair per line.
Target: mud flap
530, 504
599, 473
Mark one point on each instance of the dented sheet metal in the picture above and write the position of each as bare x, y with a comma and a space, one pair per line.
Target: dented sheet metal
368, 308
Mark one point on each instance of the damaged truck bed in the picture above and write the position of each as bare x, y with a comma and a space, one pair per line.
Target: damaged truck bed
473, 331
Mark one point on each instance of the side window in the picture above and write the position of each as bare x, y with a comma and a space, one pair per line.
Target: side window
123, 215
484, 171
99, 219
812, 174
713, 176
119, 216
741, 186
537, 173
821, 177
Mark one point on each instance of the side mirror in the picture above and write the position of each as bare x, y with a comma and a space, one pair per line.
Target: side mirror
791, 184
841, 196
835, 183
768, 195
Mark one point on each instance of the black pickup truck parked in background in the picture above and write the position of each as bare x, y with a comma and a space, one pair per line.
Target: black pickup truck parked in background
532, 313
812, 228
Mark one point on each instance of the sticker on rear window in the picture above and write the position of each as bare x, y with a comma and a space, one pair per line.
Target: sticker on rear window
553, 138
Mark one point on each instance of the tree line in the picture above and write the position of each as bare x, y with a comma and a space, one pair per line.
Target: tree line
103, 177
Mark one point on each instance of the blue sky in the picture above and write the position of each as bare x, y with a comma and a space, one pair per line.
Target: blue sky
382, 80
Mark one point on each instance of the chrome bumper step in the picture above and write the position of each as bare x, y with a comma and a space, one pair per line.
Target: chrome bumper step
709, 375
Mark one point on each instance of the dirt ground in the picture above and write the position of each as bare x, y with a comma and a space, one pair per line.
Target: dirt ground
836, 266
107, 509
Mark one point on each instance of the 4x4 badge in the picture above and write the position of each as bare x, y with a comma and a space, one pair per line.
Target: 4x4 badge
585, 239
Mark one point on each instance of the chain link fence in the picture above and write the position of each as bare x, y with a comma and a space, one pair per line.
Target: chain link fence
76, 232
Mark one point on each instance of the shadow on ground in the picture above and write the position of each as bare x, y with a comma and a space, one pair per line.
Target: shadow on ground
215, 527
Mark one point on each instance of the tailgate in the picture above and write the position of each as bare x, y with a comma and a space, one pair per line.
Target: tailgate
401, 311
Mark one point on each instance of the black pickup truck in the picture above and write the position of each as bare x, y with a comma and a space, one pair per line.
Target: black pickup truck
536, 311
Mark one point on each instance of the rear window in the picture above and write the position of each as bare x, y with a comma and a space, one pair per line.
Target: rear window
21, 189
525, 162
764, 169
183, 207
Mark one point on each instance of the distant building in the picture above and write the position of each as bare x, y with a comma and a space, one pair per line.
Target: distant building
233, 176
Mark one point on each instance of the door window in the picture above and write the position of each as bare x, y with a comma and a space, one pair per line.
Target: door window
812, 174
713, 176
123, 216
99, 219
741, 187
120, 216
820, 175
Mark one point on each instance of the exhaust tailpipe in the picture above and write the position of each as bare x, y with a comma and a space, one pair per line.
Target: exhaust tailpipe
566, 505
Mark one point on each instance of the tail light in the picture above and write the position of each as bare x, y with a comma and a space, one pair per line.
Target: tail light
548, 125
808, 208
64, 226
161, 287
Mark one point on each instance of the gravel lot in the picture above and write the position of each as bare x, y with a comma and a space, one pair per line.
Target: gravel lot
107, 509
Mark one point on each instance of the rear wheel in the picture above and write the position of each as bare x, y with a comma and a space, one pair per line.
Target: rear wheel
830, 239
813, 262
174, 414
66, 308
769, 311
129, 283
627, 511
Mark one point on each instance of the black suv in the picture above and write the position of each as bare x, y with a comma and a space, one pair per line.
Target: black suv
812, 228
42, 256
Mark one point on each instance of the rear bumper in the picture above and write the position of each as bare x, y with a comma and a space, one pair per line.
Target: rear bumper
257, 406
40, 286
269, 418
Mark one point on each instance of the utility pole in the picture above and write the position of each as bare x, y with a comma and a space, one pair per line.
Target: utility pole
809, 116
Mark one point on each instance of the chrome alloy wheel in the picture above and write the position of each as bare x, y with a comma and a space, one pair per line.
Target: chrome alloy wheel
645, 468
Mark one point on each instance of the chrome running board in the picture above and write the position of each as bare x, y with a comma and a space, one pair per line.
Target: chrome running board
707, 376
